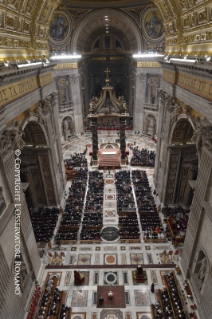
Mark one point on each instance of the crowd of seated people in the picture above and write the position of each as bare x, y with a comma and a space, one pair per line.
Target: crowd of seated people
173, 211
159, 311
150, 221
128, 227
172, 300
74, 206
125, 199
51, 304
142, 157
144, 197
178, 222
44, 221
93, 217
76, 160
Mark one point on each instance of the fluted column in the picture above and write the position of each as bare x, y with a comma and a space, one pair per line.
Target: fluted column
77, 102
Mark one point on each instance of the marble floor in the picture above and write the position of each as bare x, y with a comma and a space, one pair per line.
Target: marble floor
111, 263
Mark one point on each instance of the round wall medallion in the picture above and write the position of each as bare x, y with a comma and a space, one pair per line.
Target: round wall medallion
60, 28
152, 25
110, 234
110, 278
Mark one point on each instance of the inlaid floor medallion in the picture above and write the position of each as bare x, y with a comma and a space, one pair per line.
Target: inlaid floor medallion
110, 234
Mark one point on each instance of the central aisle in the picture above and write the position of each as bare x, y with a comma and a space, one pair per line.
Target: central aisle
110, 216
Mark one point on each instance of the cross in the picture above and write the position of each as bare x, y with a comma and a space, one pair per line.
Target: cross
107, 71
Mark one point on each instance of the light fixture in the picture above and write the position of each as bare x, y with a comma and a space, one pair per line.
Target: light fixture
66, 57
28, 64
181, 60
208, 58
147, 55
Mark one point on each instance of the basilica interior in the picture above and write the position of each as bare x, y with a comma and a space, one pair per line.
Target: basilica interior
105, 159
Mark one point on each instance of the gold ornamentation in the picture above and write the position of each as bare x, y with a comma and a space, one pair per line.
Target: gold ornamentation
135, 13
66, 66
148, 64
202, 16
10, 21
76, 15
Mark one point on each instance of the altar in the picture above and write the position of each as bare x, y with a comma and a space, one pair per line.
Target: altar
109, 158
110, 112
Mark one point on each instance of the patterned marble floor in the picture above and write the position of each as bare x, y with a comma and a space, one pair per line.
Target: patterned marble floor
110, 263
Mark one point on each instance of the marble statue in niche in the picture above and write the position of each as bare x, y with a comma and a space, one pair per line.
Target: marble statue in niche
2, 201
200, 269
65, 129
152, 87
63, 89
152, 125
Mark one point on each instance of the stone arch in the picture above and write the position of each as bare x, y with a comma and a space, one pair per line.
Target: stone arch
117, 314
132, 34
34, 131
180, 127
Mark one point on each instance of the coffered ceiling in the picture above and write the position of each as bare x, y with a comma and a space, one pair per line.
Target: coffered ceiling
106, 3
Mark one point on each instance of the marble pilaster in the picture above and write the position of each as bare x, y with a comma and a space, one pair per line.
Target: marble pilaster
77, 102
140, 91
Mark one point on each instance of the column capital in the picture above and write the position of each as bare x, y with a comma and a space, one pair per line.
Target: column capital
141, 77
74, 78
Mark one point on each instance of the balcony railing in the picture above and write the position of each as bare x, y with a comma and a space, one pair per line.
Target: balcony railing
65, 107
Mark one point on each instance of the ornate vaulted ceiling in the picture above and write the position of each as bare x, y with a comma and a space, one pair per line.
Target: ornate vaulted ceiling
24, 24
102, 4
95, 24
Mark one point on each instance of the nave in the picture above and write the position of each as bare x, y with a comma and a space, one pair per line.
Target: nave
108, 226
